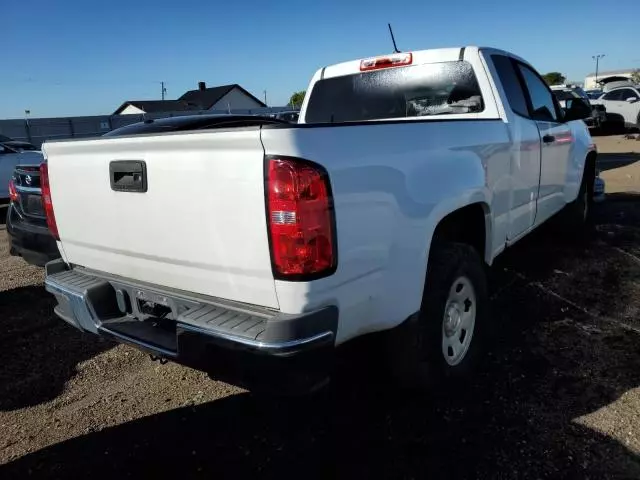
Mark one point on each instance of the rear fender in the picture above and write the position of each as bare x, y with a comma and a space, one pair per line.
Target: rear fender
409, 274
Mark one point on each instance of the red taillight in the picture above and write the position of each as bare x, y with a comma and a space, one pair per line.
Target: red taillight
301, 222
13, 194
46, 201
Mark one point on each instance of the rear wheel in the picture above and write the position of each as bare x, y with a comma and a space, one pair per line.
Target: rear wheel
444, 342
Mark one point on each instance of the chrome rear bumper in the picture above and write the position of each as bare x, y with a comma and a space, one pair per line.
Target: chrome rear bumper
191, 329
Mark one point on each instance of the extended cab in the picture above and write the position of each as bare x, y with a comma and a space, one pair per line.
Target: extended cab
245, 246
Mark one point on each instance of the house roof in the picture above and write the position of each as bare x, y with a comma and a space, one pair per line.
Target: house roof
151, 106
191, 100
207, 98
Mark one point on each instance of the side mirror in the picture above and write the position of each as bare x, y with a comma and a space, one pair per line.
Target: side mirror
631, 99
576, 109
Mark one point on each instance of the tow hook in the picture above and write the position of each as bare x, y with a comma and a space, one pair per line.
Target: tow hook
155, 358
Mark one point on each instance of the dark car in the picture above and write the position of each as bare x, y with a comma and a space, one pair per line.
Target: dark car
29, 236
288, 116
594, 94
16, 144
564, 93
13, 153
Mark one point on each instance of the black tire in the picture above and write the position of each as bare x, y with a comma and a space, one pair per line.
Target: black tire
577, 216
418, 359
607, 128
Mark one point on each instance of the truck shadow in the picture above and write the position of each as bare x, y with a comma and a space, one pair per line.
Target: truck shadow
38, 352
3, 213
615, 124
610, 161
523, 415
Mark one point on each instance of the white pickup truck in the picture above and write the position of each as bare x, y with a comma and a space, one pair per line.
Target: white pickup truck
250, 248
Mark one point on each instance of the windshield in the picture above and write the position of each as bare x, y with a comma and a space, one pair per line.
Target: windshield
190, 122
414, 91
580, 92
288, 116
23, 147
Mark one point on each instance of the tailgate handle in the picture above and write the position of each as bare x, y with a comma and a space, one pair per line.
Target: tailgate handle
128, 175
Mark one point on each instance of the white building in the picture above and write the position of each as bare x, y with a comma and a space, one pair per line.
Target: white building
225, 97
610, 76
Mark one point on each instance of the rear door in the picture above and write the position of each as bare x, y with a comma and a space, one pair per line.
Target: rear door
556, 142
526, 150
611, 101
198, 225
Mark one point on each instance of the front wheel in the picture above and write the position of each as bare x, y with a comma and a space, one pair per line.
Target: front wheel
444, 342
577, 214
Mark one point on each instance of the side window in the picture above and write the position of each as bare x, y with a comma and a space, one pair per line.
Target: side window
614, 95
543, 107
511, 84
627, 93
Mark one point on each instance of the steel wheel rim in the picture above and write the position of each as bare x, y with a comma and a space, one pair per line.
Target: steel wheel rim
458, 321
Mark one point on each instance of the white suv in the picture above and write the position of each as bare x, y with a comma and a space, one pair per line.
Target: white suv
625, 102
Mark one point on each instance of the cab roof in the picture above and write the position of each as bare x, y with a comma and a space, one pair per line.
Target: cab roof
434, 55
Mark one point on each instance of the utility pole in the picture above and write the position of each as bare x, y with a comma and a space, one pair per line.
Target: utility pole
597, 59
265, 96
164, 90
27, 112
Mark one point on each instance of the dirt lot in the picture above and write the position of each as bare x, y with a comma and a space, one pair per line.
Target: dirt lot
558, 398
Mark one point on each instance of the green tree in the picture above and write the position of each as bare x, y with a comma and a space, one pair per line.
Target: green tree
297, 98
635, 76
554, 78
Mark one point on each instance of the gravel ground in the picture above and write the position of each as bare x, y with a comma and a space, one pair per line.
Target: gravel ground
558, 398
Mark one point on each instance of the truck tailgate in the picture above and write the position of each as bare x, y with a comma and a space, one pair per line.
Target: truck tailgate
199, 226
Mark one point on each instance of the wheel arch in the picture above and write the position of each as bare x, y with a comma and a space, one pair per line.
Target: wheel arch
470, 223
474, 216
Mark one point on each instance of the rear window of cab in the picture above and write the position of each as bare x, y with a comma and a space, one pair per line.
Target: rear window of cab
400, 92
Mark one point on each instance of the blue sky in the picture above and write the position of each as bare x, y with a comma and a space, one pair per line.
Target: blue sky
71, 57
